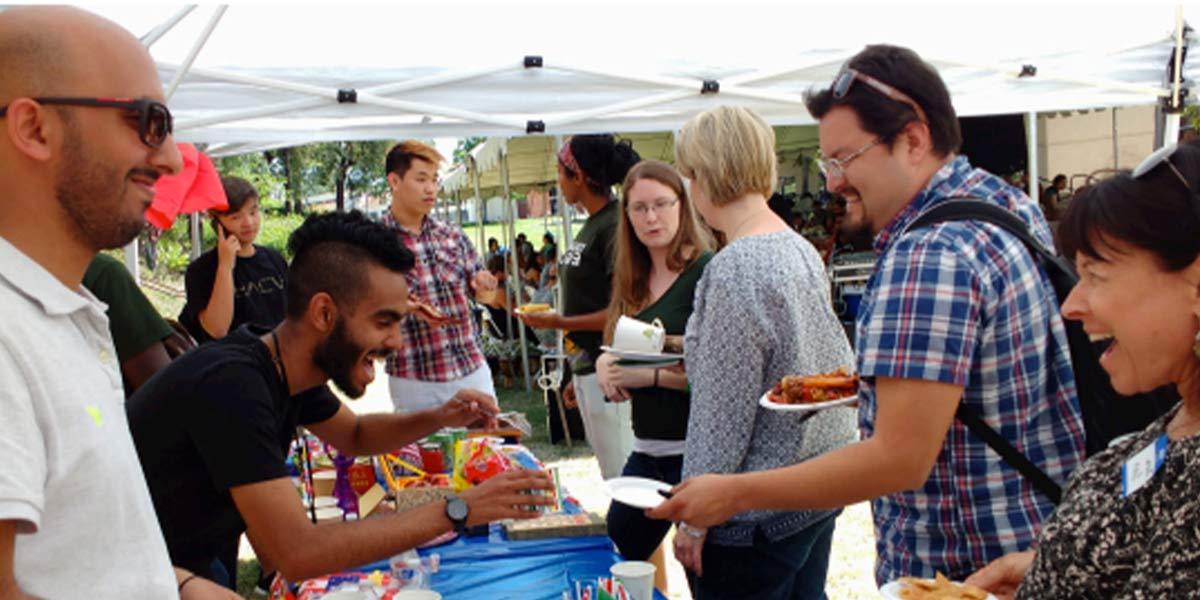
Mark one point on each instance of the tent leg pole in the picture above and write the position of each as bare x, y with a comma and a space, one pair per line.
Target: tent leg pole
1116, 145
1170, 129
1031, 148
197, 239
131, 260
511, 215
195, 51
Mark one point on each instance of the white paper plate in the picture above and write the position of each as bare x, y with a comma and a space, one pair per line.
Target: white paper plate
518, 311
765, 402
891, 591
655, 357
638, 492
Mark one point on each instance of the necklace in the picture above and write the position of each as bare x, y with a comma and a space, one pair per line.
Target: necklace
278, 360
1183, 424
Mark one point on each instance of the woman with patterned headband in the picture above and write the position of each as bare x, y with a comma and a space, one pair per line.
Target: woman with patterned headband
588, 168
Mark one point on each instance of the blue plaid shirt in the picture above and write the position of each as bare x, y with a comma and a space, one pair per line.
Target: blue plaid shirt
964, 303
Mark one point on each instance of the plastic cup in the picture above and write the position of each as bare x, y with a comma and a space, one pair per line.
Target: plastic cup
637, 577
457, 434
433, 458
417, 595
323, 482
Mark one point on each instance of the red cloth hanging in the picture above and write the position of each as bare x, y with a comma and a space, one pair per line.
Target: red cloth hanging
197, 187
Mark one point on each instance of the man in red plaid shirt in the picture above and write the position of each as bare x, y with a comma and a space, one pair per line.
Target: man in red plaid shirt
441, 353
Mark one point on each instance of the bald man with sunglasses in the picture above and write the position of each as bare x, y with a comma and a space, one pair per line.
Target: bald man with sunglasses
84, 135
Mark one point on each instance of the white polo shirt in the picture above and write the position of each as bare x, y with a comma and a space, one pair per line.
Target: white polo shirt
70, 475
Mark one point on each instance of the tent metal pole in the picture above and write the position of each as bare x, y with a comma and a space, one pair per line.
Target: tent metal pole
510, 218
1116, 145
195, 51
1170, 129
1031, 148
328, 96
1045, 74
197, 239
156, 34
479, 205
325, 97
131, 260
564, 244
729, 87
688, 89
1178, 76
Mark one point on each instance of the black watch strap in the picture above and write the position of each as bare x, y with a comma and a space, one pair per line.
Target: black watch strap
457, 511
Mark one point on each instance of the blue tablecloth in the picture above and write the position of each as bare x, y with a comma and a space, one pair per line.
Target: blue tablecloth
498, 569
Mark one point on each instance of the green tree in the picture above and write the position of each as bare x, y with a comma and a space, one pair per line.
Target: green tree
285, 162
257, 169
346, 168
465, 146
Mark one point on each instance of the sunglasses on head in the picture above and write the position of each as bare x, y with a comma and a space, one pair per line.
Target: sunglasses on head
1160, 157
154, 119
846, 78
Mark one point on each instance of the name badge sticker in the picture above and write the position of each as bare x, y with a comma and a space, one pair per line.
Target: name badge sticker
1142, 466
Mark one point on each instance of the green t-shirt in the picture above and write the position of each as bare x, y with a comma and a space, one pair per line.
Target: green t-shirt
132, 320
660, 413
586, 269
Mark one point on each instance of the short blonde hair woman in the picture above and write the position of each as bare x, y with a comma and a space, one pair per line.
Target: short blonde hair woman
762, 311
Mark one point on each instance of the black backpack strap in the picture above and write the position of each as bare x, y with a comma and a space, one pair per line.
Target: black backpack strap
965, 208
974, 209
1040, 480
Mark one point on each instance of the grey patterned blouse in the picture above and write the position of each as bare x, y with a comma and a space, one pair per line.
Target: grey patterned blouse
1101, 544
762, 311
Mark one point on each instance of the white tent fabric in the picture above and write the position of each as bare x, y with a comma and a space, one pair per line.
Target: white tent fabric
269, 74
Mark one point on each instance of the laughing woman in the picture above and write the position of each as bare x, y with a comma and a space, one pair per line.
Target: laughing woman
661, 252
1127, 525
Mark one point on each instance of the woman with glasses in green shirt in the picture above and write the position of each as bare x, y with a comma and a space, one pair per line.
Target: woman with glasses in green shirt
661, 250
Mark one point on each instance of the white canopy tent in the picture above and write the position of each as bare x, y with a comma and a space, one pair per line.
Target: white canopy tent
273, 75
255, 77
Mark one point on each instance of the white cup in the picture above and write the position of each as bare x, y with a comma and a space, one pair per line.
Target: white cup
637, 577
636, 336
417, 595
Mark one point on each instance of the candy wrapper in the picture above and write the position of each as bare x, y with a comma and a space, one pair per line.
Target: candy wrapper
485, 461
381, 585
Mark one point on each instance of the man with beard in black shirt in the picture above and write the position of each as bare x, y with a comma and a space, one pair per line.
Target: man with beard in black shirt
212, 429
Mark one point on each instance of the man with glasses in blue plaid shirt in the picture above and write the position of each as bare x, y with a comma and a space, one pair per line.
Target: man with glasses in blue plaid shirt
954, 313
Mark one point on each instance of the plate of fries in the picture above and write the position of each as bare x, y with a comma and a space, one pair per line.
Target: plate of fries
938, 588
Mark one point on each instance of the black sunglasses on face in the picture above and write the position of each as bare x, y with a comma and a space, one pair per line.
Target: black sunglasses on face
155, 122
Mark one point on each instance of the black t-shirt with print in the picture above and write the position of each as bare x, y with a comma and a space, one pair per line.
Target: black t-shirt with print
586, 269
215, 418
259, 290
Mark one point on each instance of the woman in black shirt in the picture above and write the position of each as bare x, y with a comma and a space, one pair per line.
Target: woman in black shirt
588, 168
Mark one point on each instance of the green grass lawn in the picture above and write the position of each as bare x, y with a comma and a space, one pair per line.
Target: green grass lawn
533, 229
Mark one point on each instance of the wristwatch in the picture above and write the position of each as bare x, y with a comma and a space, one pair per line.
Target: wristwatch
457, 511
